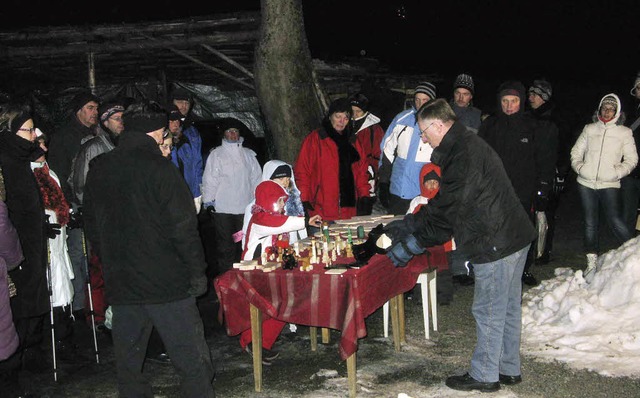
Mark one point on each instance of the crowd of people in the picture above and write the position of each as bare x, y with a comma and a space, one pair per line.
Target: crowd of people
99, 219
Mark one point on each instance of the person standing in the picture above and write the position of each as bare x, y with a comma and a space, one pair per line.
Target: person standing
369, 134
478, 205
604, 153
331, 169
153, 259
404, 154
63, 148
231, 175
462, 102
187, 153
545, 111
528, 153
630, 185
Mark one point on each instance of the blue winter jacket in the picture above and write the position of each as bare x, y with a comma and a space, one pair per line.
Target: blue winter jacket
187, 156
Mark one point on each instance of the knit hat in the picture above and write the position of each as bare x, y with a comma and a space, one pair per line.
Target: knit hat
511, 88
426, 88
635, 85
541, 88
609, 100
109, 109
174, 113
181, 94
81, 99
361, 101
464, 81
284, 170
341, 105
150, 119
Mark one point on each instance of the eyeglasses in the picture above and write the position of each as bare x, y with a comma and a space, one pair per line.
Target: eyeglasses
608, 109
117, 119
424, 131
166, 147
31, 130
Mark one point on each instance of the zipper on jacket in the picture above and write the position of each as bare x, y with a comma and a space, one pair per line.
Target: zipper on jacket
600, 156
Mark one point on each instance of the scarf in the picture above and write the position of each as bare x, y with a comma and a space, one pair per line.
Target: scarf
347, 155
52, 195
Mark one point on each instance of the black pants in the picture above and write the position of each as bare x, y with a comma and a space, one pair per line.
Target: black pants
228, 252
397, 205
180, 327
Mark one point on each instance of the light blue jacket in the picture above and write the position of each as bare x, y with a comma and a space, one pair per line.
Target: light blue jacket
404, 149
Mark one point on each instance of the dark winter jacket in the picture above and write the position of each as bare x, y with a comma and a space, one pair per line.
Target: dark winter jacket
551, 119
10, 257
634, 114
528, 151
26, 213
64, 146
476, 202
91, 148
140, 218
318, 176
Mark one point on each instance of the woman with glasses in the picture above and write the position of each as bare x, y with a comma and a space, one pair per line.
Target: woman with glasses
604, 153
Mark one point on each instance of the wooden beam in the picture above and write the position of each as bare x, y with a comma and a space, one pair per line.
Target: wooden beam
229, 60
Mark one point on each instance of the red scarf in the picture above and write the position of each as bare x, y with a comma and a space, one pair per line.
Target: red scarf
52, 195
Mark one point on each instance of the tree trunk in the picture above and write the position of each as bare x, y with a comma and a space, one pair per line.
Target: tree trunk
289, 96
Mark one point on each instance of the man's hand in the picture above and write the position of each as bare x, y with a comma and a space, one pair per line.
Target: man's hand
315, 221
403, 251
198, 286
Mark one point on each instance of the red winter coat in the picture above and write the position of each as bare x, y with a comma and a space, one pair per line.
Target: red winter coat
316, 172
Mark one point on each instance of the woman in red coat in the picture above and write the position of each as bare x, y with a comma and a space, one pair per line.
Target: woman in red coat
331, 169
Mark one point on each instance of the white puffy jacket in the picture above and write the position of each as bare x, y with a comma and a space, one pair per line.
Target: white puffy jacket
604, 153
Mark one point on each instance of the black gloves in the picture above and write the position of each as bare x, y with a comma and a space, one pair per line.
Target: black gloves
198, 286
383, 194
399, 229
364, 251
51, 230
403, 251
211, 211
75, 220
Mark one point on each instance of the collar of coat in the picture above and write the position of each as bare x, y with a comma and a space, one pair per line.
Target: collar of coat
136, 140
443, 151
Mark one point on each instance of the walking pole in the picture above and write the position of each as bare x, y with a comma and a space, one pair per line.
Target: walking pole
88, 277
53, 332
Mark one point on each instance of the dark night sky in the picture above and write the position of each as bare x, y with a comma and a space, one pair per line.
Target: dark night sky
592, 43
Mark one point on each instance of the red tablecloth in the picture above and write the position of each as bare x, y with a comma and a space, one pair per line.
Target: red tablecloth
314, 298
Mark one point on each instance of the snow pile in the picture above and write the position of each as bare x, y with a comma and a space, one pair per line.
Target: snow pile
589, 325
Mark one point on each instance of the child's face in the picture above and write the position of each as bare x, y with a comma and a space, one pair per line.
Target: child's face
432, 184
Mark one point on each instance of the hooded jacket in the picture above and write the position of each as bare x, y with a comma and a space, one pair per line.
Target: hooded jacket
528, 151
293, 206
476, 202
265, 223
404, 153
604, 152
231, 175
187, 156
140, 219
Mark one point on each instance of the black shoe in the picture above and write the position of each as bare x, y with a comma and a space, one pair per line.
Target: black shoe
162, 358
463, 280
468, 383
528, 279
268, 356
510, 380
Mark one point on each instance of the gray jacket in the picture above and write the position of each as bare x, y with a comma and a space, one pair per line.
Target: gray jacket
91, 148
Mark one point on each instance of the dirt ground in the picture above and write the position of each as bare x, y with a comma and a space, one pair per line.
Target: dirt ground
418, 370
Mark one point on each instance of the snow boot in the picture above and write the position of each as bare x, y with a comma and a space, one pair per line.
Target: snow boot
592, 261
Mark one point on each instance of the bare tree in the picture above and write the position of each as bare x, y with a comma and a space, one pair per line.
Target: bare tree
289, 95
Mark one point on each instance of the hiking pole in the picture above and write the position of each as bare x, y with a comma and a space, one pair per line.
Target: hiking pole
53, 332
93, 316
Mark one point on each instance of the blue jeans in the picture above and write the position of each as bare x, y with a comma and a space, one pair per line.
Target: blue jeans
497, 310
609, 200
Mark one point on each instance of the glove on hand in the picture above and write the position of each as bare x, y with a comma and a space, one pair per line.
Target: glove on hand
75, 220
198, 286
51, 230
383, 194
399, 229
402, 252
211, 210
